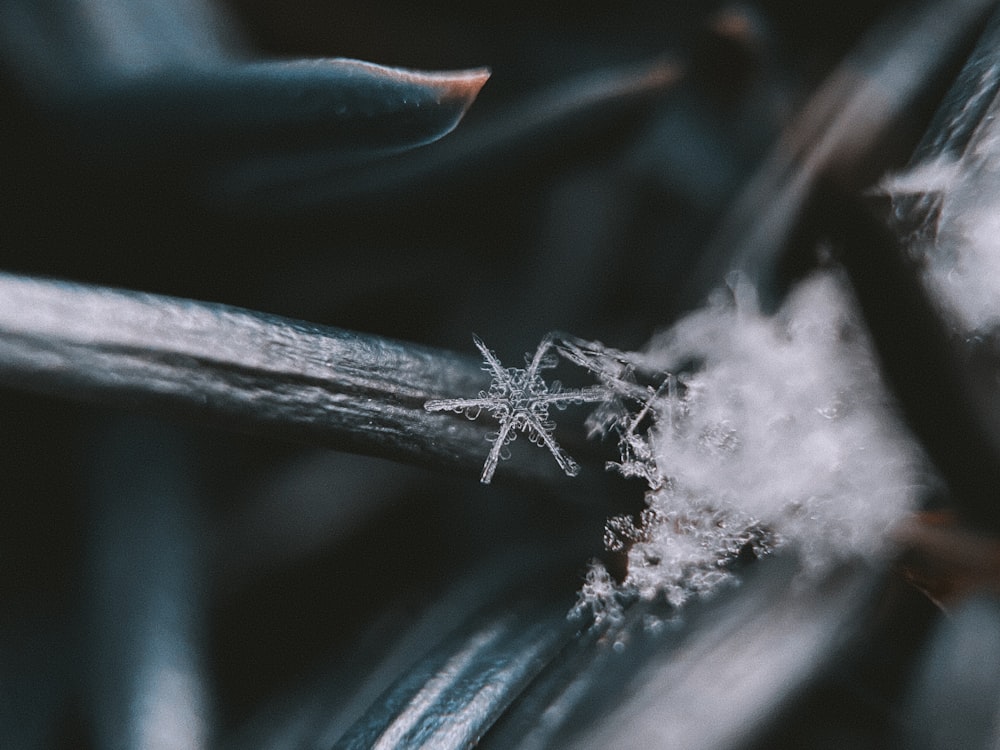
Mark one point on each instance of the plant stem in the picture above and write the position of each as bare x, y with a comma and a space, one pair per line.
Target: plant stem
248, 370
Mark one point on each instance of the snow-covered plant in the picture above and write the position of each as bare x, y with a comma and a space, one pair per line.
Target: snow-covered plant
776, 431
752, 432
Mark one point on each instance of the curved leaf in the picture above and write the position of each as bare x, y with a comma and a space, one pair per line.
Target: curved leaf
339, 110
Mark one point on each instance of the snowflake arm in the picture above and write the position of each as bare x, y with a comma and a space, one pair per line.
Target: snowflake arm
566, 463
519, 399
496, 452
540, 361
561, 399
493, 365
471, 407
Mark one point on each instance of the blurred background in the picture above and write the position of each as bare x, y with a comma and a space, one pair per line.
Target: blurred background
163, 584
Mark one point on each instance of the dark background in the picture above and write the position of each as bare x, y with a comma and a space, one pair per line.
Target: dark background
589, 228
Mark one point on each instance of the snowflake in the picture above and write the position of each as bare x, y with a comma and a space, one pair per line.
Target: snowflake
519, 399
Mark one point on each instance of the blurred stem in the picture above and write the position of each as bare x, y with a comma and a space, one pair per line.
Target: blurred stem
147, 673
865, 119
945, 385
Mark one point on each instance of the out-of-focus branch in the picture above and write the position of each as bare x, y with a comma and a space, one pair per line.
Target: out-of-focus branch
948, 397
946, 560
231, 367
865, 119
557, 121
941, 363
145, 587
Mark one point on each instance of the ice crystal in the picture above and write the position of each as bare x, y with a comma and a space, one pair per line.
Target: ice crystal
600, 596
629, 408
519, 399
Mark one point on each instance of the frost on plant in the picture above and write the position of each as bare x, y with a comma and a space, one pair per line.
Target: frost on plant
629, 406
751, 432
775, 432
519, 399
948, 203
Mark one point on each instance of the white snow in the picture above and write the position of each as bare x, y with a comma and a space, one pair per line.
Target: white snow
783, 435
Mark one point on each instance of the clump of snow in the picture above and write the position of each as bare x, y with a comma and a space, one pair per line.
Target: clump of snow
599, 595
780, 433
960, 251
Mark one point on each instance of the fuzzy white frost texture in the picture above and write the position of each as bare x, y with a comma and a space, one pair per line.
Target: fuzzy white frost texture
961, 252
782, 434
